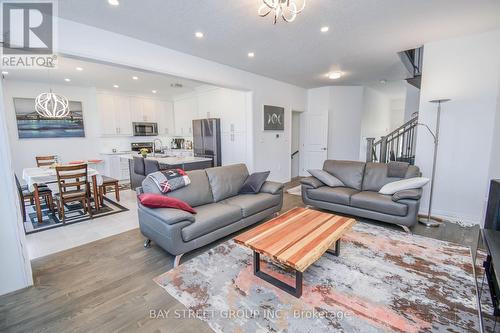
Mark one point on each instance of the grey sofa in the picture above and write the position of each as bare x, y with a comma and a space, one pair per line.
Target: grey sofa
220, 210
360, 195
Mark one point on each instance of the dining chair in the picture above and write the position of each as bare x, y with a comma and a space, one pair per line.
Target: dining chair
73, 184
24, 194
45, 160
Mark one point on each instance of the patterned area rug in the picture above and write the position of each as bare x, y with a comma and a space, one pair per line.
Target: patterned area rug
383, 281
73, 211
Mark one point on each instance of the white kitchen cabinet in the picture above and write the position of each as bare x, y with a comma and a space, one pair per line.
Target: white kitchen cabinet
105, 107
143, 109
116, 167
123, 117
233, 148
165, 117
185, 110
114, 113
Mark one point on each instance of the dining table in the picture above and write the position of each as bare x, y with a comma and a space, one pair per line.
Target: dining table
36, 176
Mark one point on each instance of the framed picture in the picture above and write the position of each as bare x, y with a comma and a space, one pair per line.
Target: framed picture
274, 118
30, 125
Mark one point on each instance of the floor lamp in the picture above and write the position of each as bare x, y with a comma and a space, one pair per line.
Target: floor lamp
428, 220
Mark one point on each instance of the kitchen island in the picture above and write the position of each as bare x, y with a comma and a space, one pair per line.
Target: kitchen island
186, 163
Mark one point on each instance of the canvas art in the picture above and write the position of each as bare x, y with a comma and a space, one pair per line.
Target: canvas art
274, 118
30, 125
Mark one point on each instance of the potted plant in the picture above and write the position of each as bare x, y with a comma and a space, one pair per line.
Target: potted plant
144, 152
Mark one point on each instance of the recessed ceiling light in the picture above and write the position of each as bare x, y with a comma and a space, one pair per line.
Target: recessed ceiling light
67, 80
251, 54
114, 2
135, 78
5, 72
154, 91
79, 69
335, 75
199, 34
116, 86
324, 29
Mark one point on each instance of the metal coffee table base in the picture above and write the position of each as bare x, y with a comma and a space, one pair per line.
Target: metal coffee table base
293, 290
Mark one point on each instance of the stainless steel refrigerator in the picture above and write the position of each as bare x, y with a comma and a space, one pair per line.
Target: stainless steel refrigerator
206, 139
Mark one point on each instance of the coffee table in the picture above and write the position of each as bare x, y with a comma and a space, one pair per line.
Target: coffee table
295, 239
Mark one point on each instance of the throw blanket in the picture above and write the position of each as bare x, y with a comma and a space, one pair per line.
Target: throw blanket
170, 180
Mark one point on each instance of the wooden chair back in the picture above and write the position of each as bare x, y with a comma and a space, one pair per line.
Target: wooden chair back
45, 160
72, 177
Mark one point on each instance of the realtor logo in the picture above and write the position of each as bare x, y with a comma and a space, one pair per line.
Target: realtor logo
28, 32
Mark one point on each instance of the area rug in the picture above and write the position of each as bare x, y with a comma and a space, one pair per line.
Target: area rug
383, 281
73, 211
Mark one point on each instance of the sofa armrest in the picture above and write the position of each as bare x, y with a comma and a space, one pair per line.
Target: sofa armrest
271, 187
311, 182
414, 194
169, 216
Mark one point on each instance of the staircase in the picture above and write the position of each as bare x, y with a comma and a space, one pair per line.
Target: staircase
413, 60
399, 145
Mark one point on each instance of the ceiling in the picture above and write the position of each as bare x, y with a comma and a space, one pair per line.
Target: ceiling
363, 40
104, 77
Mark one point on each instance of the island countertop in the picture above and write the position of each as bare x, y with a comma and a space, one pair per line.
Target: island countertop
173, 160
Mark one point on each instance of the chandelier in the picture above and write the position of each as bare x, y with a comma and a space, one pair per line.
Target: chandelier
51, 105
286, 9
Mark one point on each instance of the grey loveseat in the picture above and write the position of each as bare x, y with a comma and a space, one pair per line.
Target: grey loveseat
220, 210
360, 195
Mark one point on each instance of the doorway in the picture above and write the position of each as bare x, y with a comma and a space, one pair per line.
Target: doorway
295, 144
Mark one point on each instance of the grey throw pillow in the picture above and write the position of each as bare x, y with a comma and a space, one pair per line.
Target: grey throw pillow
254, 182
326, 178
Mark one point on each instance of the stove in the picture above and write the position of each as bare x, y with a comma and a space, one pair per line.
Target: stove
137, 146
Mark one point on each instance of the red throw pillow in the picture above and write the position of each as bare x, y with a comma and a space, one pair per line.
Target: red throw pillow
151, 200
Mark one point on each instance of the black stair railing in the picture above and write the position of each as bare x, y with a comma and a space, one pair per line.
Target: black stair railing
399, 145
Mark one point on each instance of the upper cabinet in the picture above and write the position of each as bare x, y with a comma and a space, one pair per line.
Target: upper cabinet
118, 112
165, 117
143, 110
185, 110
115, 114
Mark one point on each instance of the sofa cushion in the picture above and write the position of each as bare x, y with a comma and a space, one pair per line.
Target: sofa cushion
326, 178
254, 182
152, 200
338, 195
209, 218
348, 172
404, 184
195, 194
251, 204
226, 181
378, 202
376, 176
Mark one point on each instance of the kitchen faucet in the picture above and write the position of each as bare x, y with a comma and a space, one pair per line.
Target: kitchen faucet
154, 146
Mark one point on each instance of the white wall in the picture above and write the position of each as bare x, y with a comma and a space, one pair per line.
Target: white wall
269, 152
376, 118
14, 261
412, 101
344, 122
466, 70
295, 144
343, 106
397, 107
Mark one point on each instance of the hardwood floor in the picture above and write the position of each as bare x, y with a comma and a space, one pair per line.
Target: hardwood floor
107, 286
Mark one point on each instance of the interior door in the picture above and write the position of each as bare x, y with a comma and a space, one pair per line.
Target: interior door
315, 144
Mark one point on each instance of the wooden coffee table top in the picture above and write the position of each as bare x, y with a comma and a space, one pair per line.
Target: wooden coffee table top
296, 238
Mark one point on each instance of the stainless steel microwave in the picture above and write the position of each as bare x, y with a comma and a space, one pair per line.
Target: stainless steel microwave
145, 129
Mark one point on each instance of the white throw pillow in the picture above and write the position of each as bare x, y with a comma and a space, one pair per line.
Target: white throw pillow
326, 178
404, 184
